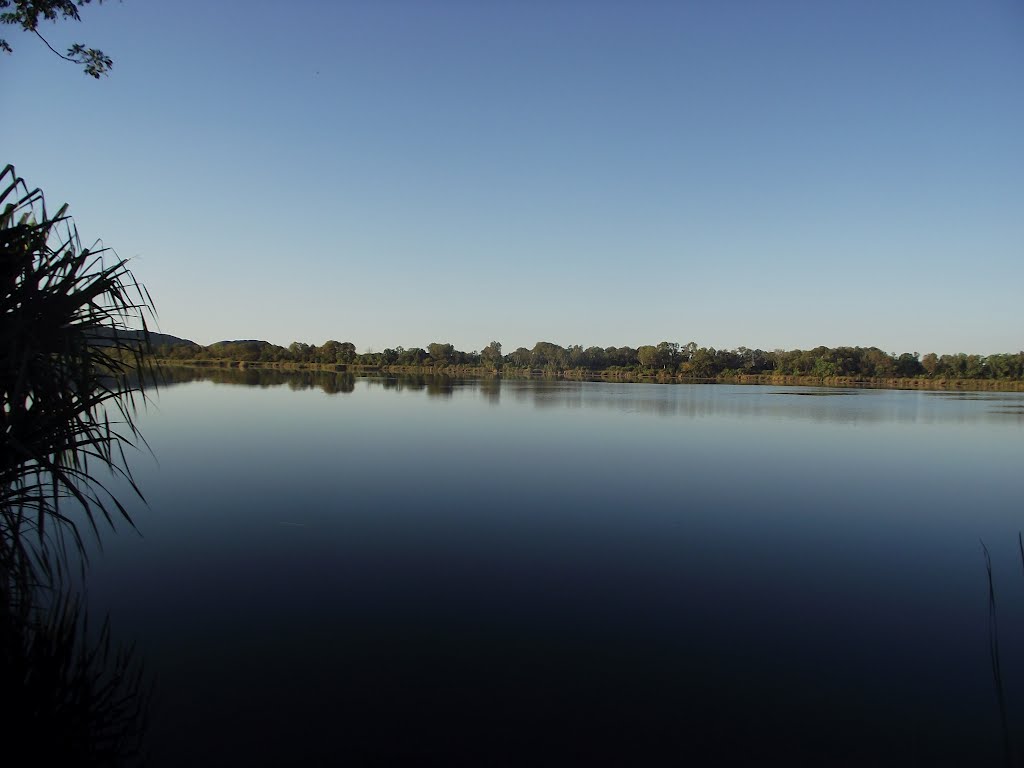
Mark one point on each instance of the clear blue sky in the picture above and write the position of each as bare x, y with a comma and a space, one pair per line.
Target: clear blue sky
768, 174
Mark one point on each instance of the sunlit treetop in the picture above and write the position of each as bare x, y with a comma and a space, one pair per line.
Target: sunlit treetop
28, 13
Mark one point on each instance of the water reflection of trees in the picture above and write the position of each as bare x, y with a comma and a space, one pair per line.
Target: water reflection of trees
695, 401
434, 385
327, 381
330, 382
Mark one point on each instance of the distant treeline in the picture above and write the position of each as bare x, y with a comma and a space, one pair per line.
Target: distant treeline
664, 359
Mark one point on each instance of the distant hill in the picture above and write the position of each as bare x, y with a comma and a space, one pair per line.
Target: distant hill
155, 339
166, 340
247, 350
242, 341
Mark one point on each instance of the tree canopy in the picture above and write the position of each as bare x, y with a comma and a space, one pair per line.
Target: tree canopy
27, 14
683, 361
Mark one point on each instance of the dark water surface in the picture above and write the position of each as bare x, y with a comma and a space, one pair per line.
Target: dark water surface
368, 572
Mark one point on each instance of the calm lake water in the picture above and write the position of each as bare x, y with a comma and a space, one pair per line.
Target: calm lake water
367, 571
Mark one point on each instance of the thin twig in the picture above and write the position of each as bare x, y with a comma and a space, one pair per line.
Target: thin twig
47, 43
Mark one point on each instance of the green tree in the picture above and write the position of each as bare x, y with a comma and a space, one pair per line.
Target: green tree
441, 354
414, 356
908, 365
520, 358
299, 351
649, 356
329, 352
975, 368
701, 363
347, 352
594, 358
620, 356
668, 355
823, 367
491, 354
546, 354
877, 363
930, 363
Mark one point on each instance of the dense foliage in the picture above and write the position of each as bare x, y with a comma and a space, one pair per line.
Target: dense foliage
686, 360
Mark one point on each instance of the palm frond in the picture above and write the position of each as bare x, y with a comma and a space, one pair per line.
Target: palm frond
73, 373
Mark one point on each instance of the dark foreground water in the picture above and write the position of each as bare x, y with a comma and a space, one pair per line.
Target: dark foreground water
367, 572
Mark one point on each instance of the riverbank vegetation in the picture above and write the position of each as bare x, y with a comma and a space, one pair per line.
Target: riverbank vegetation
665, 362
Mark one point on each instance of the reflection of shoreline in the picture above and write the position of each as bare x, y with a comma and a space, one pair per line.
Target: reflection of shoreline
631, 377
329, 382
862, 405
